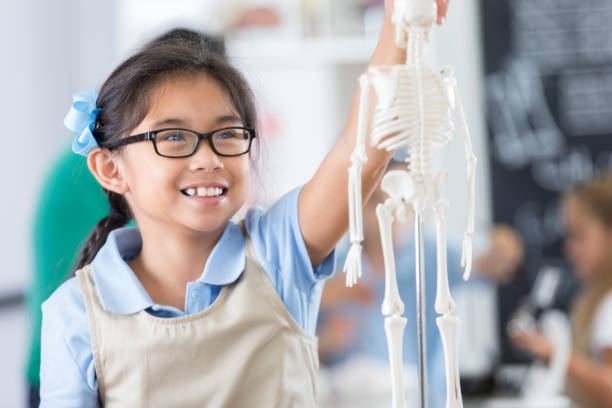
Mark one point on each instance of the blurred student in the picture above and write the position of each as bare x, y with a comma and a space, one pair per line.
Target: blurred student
505, 254
478, 307
69, 193
587, 211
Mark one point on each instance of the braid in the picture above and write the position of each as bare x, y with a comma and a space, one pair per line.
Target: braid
119, 216
119, 209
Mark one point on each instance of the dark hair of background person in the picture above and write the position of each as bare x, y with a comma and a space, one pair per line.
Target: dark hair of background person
124, 102
595, 197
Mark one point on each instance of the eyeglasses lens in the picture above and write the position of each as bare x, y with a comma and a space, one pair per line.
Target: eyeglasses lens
175, 142
231, 142
227, 142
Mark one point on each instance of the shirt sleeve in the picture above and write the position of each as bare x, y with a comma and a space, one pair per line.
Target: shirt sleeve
67, 372
280, 248
602, 329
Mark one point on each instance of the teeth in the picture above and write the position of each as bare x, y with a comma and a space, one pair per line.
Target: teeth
204, 192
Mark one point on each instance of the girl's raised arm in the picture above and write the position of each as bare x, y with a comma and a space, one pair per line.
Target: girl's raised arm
323, 202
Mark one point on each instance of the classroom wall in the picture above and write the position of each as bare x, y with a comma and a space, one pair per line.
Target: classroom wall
49, 50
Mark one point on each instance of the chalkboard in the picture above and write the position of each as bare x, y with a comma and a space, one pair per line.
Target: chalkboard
548, 66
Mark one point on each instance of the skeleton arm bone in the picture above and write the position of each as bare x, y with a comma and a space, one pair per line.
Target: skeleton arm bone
352, 265
466, 255
323, 201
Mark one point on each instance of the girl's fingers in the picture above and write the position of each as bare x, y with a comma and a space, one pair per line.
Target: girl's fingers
389, 6
442, 8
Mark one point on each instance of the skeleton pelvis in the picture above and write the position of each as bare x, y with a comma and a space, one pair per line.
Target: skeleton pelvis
421, 193
398, 184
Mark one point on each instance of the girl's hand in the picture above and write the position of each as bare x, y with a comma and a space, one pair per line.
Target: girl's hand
534, 343
442, 9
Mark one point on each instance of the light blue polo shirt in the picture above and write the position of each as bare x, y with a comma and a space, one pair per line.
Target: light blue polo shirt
68, 377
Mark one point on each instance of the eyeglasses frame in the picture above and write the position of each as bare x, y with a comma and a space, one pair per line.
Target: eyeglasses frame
151, 135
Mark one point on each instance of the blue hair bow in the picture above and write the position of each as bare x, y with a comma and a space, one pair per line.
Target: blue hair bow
81, 119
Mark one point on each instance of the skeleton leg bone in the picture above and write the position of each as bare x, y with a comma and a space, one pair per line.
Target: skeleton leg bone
394, 328
444, 301
449, 331
392, 303
392, 306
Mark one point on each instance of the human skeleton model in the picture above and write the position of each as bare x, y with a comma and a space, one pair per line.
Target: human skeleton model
414, 112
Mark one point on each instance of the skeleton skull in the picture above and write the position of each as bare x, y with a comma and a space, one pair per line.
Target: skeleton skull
415, 13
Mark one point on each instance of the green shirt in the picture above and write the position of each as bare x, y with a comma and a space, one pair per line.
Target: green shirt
70, 205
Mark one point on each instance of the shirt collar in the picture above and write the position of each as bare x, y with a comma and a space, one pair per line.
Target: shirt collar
121, 292
227, 259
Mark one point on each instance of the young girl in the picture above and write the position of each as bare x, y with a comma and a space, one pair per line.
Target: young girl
190, 309
588, 220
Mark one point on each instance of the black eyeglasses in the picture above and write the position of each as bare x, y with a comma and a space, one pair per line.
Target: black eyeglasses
176, 142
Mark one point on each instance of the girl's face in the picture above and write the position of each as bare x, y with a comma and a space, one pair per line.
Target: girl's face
157, 185
588, 243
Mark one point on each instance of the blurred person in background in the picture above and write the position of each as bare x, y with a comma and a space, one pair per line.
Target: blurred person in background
478, 307
69, 193
587, 211
505, 254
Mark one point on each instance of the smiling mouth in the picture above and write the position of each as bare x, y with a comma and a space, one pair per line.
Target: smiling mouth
204, 191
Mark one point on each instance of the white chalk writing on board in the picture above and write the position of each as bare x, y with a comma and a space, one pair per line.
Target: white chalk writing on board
584, 101
561, 173
524, 129
539, 224
555, 34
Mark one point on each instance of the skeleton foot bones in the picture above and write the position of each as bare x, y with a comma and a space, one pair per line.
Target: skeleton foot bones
413, 112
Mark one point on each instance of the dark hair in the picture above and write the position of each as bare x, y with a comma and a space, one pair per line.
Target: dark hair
124, 102
596, 196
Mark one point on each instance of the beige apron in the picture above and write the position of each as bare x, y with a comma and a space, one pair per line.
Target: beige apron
245, 350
